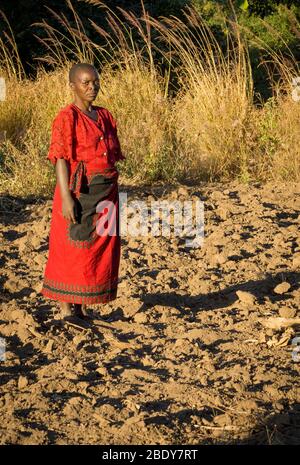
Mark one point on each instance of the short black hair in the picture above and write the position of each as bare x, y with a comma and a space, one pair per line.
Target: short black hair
80, 67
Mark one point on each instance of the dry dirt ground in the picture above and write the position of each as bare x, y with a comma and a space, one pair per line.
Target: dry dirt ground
185, 354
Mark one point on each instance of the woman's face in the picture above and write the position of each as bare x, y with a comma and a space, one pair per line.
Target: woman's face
86, 85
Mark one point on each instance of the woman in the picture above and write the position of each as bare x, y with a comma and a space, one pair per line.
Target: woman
84, 248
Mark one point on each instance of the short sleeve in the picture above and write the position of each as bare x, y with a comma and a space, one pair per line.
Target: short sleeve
62, 138
118, 153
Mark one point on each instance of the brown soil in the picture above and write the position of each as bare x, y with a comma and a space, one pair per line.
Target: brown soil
182, 355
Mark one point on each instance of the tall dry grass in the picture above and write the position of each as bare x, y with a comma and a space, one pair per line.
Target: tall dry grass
210, 114
25, 119
210, 130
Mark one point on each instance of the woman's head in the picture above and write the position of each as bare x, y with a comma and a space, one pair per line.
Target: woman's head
84, 81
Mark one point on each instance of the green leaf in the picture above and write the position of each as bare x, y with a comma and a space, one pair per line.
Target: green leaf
243, 4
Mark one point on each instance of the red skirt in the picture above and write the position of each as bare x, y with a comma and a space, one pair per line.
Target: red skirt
83, 258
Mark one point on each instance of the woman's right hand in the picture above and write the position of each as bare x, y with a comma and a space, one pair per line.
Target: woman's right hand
69, 208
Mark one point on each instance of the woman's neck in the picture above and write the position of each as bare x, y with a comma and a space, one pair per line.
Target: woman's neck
84, 106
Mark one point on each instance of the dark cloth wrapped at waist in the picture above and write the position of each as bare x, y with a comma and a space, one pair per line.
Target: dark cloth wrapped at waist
80, 172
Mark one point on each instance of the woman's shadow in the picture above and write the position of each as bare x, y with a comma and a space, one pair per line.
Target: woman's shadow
260, 289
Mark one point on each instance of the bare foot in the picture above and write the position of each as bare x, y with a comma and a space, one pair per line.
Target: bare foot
65, 310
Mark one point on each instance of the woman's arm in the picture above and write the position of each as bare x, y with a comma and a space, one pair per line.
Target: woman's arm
68, 204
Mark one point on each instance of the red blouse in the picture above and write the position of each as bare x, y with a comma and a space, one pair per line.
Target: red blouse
88, 146
75, 136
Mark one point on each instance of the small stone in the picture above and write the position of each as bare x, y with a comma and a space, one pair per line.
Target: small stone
296, 261
74, 401
102, 371
22, 382
140, 318
286, 312
278, 406
245, 297
222, 420
282, 288
269, 332
247, 405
